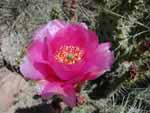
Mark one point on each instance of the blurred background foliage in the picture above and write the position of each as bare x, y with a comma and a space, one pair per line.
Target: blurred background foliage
126, 23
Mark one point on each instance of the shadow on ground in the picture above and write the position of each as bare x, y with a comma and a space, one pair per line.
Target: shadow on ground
41, 108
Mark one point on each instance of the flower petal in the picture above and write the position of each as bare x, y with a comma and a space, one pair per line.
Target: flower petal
74, 35
47, 71
37, 51
51, 89
67, 72
70, 96
67, 92
100, 62
71, 35
34, 51
38, 47
28, 70
84, 25
54, 26
37, 54
48, 30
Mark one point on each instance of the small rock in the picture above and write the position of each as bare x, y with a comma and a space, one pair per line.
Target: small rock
15, 92
9, 87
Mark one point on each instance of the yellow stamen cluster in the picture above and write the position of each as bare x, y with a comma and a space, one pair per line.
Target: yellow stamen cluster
69, 54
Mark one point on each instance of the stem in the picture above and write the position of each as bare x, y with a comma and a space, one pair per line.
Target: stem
70, 9
74, 6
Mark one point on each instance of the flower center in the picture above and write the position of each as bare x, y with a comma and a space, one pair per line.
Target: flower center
69, 54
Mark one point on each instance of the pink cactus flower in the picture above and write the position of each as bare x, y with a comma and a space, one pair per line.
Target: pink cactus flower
61, 55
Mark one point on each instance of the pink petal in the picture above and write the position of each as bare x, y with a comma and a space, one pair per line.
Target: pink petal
67, 72
54, 26
80, 37
93, 43
37, 51
49, 30
100, 62
47, 71
28, 70
67, 92
51, 89
70, 97
84, 25
38, 47
74, 35
34, 50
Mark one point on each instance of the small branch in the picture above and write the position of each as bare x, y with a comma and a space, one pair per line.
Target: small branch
74, 6
70, 9
118, 15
